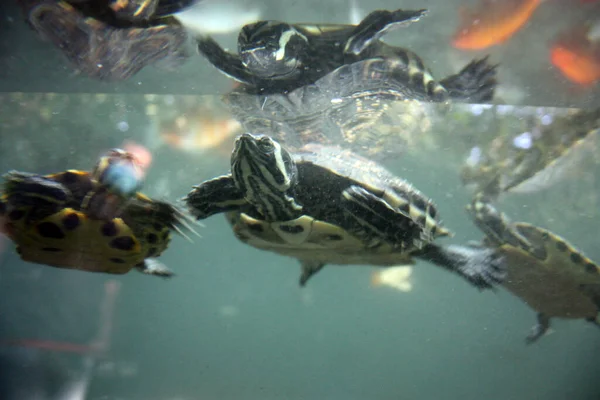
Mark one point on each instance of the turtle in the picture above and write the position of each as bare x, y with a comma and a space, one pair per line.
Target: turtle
112, 39
92, 221
532, 160
543, 269
327, 205
276, 57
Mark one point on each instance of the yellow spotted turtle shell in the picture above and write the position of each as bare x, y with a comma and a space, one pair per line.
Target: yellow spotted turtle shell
67, 238
549, 274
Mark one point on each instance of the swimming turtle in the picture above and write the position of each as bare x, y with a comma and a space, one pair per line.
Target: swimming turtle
275, 57
533, 160
93, 221
114, 39
543, 269
330, 206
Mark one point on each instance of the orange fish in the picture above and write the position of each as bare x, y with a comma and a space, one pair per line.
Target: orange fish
492, 23
577, 54
199, 133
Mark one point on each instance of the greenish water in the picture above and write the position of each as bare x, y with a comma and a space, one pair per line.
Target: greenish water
233, 323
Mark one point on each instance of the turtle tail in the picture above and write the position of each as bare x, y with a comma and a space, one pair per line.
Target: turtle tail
475, 83
481, 266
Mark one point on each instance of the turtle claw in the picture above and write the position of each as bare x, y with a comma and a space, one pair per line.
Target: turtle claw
484, 267
539, 329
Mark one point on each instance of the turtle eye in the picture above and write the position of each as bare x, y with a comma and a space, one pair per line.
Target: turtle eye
265, 144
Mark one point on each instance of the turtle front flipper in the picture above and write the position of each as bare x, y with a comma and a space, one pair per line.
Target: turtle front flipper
376, 24
475, 83
142, 211
229, 64
539, 329
215, 196
481, 267
151, 266
379, 218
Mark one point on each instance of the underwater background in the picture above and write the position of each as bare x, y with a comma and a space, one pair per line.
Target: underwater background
233, 323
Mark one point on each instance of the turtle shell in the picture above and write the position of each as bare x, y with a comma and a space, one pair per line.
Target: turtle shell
548, 156
325, 232
49, 226
543, 269
114, 42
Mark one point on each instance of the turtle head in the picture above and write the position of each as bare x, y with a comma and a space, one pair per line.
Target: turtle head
266, 174
271, 49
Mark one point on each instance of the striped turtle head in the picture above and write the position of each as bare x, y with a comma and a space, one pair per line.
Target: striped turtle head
271, 49
119, 172
266, 174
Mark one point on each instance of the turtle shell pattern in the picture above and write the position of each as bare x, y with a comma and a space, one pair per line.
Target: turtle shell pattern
63, 236
544, 269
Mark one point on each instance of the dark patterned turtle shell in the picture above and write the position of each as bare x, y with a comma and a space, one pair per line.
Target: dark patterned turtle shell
52, 221
543, 269
111, 40
548, 154
324, 226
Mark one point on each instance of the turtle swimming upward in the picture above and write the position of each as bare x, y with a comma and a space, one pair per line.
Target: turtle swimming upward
543, 269
111, 39
278, 57
94, 221
331, 206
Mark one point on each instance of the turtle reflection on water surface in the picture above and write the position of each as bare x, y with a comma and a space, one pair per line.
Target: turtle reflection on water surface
111, 40
331, 206
94, 221
277, 57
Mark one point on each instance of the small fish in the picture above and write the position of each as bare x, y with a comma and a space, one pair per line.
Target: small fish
211, 17
576, 54
492, 23
395, 277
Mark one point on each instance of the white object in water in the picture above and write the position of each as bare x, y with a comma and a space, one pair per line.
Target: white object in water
523, 141
210, 17
593, 34
395, 277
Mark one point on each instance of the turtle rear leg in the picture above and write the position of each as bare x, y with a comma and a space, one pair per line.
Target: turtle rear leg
539, 329
475, 83
151, 266
376, 24
309, 268
482, 267
215, 196
379, 218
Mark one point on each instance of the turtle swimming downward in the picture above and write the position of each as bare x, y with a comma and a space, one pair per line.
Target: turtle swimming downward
543, 269
330, 206
95, 222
